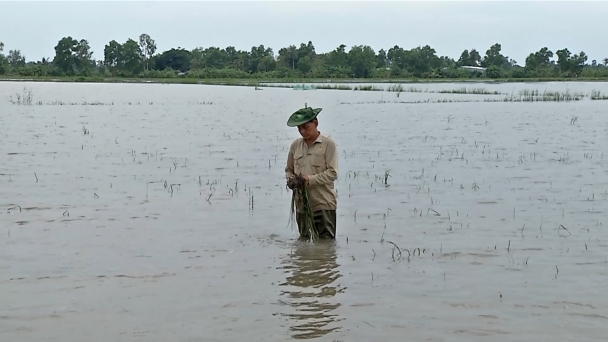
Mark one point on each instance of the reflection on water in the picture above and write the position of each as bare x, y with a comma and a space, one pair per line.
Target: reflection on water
310, 288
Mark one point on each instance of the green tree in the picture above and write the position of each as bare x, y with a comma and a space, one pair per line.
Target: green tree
267, 64
126, 59
539, 63
65, 59
3, 61
471, 58
420, 60
381, 59
242, 60
464, 59
131, 58
212, 57
233, 57
493, 71
197, 58
563, 59
338, 57
474, 58
72, 56
493, 57
147, 46
396, 58
15, 59
362, 60
305, 65
111, 55
176, 59
578, 63
258, 53
307, 50
289, 56
447, 62
572, 65
83, 54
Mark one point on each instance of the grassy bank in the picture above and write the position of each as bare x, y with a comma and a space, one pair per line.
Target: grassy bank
255, 82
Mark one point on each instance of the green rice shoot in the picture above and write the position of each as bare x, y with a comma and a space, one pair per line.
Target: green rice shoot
301, 202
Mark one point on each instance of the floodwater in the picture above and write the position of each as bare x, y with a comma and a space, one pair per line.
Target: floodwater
149, 212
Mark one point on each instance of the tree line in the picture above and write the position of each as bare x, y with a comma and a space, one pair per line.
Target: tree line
140, 58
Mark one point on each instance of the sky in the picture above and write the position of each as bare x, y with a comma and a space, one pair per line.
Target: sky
35, 27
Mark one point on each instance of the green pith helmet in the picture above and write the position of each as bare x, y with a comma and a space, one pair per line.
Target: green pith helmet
302, 116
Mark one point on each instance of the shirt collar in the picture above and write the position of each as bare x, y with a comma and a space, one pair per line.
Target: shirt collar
319, 138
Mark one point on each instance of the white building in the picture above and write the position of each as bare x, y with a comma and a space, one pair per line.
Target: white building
474, 68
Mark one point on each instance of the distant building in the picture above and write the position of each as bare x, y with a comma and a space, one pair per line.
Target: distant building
474, 68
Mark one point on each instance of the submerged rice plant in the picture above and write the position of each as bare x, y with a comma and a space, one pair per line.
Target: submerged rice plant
529, 92
415, 90
334, 87
596, 95
473, 91
534, 95
368, 88
24, 98
396, 88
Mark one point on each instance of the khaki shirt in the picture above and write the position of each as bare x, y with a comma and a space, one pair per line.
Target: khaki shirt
320, 163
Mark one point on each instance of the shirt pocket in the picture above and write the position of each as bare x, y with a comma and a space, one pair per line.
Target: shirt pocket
317, 162
298, 163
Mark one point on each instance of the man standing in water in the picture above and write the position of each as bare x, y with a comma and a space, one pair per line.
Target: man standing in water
313, 157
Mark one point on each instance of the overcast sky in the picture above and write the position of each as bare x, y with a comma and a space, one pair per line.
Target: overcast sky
449, 27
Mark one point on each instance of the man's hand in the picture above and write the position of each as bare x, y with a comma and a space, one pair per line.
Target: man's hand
290, 183
305, 180
296, 182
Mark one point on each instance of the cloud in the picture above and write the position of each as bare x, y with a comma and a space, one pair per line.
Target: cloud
448, 26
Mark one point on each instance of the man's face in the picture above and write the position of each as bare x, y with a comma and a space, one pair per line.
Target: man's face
309, 129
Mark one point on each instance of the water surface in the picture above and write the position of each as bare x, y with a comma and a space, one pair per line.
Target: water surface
159, 212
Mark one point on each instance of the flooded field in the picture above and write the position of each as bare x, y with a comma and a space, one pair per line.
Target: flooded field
148, 212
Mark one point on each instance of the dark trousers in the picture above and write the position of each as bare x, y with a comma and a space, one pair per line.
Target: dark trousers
325, 224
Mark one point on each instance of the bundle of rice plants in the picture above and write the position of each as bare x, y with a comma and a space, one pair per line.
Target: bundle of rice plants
300, 202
